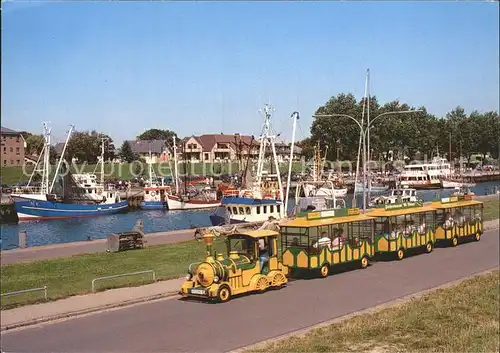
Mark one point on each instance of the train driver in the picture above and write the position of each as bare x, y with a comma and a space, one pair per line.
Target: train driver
263, 253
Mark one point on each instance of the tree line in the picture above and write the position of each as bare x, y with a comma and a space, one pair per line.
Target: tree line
417, 135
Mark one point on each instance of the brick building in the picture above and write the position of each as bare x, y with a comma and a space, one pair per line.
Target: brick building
13, 145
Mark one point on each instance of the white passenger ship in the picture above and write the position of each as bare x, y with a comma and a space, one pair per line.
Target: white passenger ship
426, 175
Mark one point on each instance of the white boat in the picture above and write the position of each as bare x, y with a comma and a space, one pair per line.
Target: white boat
425, 175
191, 199
450, 184
373, 188
154, 192
310, 189
398, 195
261, 198
321, 197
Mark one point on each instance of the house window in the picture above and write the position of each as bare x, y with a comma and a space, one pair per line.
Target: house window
18, 162
12, 149
206, 156
17, 150
4, 162
5, 150
17, 139
4, 138
12, 161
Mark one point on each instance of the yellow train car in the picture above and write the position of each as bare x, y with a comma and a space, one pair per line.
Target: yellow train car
403, 226
458, 217
318, 240
251, 265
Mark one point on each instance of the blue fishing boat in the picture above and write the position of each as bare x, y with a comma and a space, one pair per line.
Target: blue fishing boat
63, 197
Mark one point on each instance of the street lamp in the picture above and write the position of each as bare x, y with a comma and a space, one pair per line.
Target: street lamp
364, 131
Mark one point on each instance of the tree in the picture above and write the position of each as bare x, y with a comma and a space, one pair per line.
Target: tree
86, 147
34, 144
157, 134
126, 153
307, 147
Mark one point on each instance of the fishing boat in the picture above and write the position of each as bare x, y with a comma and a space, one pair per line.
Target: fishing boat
318, 199
451, 184
374, 187
317, 187
155, 191
259, 198
62, 198
191, 197
397, 195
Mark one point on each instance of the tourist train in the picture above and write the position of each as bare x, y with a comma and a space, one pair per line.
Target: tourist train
317, 241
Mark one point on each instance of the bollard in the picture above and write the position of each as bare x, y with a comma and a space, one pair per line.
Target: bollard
22, 239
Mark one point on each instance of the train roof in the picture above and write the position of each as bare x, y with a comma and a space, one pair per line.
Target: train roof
442, 205
304, 222
259, 233
384, 212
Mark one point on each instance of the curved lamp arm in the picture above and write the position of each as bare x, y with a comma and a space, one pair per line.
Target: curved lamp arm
333, 115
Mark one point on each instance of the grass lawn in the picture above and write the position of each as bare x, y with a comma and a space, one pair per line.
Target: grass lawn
70, 276
491, 209
463, 318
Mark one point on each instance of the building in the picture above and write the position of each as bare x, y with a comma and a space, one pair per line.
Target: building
13, 145
217, 148
159, 150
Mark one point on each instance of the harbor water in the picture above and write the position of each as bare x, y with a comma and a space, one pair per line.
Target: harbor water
84, 229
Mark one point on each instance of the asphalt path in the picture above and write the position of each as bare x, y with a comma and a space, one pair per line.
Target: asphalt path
176, 325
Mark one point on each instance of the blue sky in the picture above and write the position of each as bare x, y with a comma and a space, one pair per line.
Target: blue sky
207, 67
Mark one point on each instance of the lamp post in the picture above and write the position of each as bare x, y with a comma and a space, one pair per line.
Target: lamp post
364, 133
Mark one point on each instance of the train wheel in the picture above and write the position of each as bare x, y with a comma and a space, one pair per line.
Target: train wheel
224, 294
364, 262
454, 241
325, 269
477, 237
428, 247
278, 280
400, 254
262, 284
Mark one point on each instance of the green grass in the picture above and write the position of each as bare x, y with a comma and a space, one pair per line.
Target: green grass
463, 318
71, 276
491, 209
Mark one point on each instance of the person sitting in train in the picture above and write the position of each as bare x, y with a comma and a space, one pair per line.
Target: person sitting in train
263, 253
394, 233
322, 242
450, 222
295, 241
423, 228
478, 216
337, 243
461, 220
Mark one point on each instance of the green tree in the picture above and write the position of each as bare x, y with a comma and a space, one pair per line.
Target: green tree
34, 144
126, 153
86, 147
157, 134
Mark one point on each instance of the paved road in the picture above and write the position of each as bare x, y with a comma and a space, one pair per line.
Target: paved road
85, 247
176, 325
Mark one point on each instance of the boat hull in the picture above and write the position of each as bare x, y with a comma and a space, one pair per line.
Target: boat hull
41, 210
217, 220
448, 184
153, 205
174, 203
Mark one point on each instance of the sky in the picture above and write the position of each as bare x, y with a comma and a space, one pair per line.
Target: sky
208, 67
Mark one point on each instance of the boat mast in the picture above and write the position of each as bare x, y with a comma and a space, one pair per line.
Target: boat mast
150, 169
368, 134
295, 116
103, 140
60, 158
175, 167
44, 190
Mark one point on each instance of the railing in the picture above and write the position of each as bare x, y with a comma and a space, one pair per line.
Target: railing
122, 275
44, 288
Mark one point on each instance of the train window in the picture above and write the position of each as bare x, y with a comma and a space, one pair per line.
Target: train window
382, 225
295, 237
440, 218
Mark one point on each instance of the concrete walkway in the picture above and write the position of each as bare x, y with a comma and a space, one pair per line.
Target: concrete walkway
83, 304
54, 251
